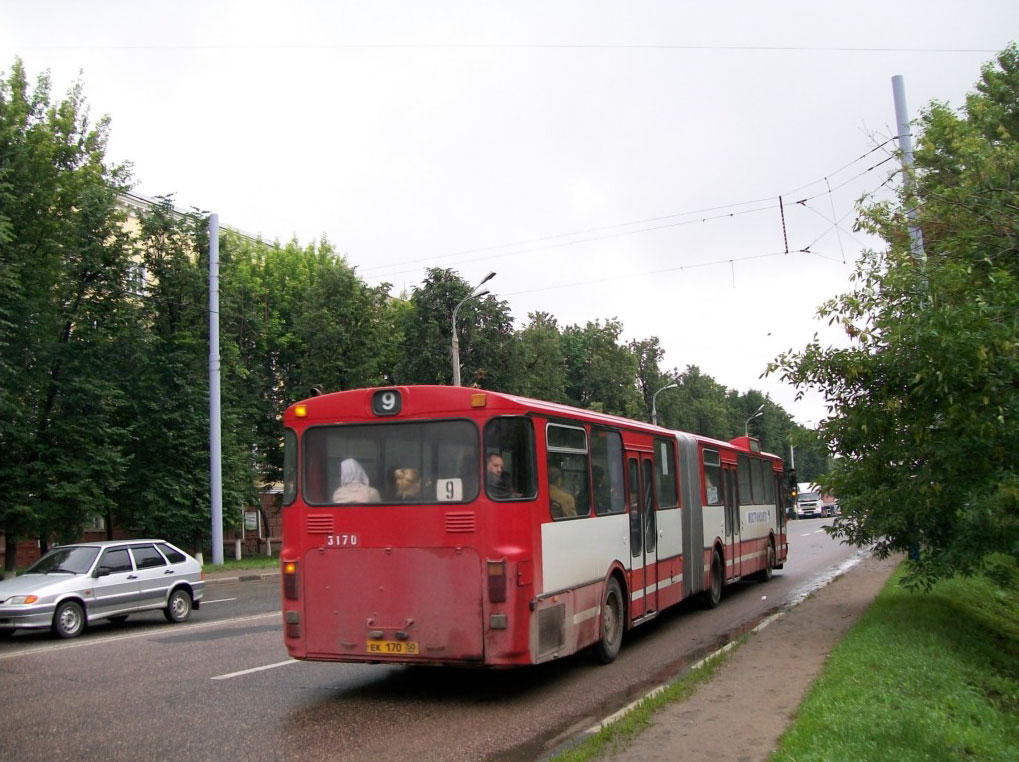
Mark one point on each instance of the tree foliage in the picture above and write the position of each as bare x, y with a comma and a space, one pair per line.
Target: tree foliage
485, 335
541, 372
600, 371
925, 397
63, 262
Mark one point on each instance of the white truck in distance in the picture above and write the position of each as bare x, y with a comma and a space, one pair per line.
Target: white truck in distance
808, 501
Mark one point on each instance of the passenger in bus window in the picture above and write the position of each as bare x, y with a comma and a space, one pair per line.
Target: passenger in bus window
602, 490
354, 486
561, 502
495, 477
408, 483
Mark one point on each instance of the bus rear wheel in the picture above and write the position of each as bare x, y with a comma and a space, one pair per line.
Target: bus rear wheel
713, 595
768, 571
612, 621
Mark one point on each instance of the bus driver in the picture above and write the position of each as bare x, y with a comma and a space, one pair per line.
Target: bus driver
495, 478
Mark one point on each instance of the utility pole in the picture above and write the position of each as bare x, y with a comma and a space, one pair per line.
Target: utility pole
215, 449
906, 148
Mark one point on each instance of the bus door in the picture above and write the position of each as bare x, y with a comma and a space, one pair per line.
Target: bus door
732, 523
643, 538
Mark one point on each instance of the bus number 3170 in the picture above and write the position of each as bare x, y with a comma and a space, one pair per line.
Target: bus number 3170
341, 540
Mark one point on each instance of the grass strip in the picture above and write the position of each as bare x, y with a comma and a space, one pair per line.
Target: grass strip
922, 676
252, 562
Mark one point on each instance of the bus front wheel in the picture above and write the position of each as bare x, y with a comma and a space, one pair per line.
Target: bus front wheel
613, 617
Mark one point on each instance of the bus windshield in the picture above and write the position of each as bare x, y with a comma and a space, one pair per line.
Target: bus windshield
412, 462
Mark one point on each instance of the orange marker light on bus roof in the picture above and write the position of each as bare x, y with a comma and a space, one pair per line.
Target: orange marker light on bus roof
479, 400
301, 411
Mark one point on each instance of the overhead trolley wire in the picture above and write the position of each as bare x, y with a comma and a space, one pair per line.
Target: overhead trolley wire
554, 241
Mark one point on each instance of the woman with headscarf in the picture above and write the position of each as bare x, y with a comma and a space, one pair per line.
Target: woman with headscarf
354, 486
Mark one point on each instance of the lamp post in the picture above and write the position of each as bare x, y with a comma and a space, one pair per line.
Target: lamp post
757, 414
654, 401
456, 341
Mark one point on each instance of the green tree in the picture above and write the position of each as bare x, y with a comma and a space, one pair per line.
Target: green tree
697, 405
167, 491
925, 397
542, 370
487, 345
650, 379
63, 263
601, 373
343, 327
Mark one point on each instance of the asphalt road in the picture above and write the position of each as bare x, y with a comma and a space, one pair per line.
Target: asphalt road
223, 684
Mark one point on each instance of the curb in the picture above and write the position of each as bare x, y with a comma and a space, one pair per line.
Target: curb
210, 580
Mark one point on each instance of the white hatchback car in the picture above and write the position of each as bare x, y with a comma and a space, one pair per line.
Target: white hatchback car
73, 585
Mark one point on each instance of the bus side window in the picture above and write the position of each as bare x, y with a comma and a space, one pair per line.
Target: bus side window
567, 471
746, 494
712, 477
633, 498
510, 443
607, 483
562, 504
666, 481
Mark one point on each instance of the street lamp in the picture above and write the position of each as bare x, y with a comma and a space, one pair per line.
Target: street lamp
456, 341
654, 400
758, 414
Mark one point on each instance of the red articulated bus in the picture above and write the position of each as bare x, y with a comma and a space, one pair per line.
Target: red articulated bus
450, 525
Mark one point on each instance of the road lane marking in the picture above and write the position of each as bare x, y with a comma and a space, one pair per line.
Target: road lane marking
218, 600
134, 636
254, 669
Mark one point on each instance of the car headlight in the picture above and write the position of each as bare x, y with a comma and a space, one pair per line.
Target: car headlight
21, 600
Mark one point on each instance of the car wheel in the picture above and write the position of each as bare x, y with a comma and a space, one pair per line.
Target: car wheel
713, 595
613, 619
69, 620
178, 608
5, 634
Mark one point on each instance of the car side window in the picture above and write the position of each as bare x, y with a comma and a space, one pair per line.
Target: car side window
147, 557
172, 555
115, 561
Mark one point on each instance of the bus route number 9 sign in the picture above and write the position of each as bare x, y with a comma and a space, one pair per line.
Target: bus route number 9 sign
386, 402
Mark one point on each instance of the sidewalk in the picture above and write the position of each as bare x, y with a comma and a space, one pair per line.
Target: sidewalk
744, 710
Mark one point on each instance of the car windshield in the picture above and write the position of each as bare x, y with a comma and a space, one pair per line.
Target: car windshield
69, 560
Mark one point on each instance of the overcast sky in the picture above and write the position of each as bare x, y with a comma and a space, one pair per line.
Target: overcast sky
607, 160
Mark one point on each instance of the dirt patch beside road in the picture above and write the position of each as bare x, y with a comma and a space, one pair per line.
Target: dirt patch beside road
741, 714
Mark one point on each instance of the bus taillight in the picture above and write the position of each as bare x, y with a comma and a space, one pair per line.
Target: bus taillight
497, 581
290, 580
292, 620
